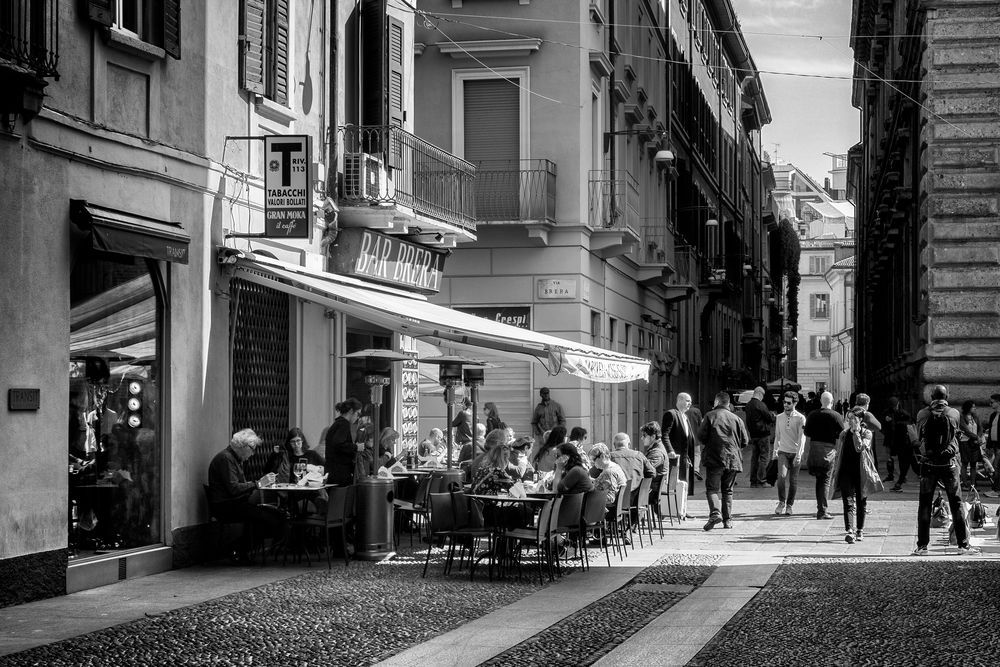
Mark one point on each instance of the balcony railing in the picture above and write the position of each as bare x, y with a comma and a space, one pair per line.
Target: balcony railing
653, 243
685, 258
387, 165
29, 36
614, 201
515, 191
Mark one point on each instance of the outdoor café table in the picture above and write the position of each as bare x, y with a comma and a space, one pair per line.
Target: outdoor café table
296, 502
498, 527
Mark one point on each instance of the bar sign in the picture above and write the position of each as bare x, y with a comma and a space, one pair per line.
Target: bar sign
23, 399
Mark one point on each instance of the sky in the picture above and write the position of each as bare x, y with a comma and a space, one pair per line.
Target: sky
810, 116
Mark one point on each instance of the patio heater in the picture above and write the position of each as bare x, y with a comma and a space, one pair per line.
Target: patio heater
451, 374
373, 504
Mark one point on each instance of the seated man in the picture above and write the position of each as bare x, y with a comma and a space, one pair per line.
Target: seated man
233, 498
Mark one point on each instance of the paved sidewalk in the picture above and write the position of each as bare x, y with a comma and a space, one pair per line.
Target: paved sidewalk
750, 553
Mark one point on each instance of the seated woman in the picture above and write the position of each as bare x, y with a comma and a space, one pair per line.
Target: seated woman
545, 459
493, 474
387, 441
612, 478
570, 475
519, 458
297, 447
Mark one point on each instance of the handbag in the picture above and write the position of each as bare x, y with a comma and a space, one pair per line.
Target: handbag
871, 481
772, 472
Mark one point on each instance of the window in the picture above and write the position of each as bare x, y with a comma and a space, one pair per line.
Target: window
264, 48
819, 306
819, 347
156, 22
819, 264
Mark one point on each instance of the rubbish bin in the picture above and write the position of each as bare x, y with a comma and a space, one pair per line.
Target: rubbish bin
373, 519
443, 481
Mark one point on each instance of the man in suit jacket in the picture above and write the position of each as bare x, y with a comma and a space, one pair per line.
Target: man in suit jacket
678, 436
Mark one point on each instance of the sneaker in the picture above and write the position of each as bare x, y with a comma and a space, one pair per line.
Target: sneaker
897, 488
712, 523
969, 551
780, 509
726, 523
788, 510
919, 551
859, 535
824, 515
849, 537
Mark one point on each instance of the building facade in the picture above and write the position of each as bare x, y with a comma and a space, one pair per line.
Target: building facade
619, 190
925, 183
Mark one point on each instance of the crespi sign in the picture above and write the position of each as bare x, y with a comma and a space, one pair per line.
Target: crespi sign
366, 254
287, 195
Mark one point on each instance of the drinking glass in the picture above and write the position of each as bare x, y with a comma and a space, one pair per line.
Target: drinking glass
299, 470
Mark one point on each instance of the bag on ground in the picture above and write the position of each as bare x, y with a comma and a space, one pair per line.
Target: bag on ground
940, 516
977, 511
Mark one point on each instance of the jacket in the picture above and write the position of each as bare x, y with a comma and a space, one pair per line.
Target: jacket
723, 435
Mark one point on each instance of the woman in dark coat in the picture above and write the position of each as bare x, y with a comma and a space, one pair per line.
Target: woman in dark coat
341, 449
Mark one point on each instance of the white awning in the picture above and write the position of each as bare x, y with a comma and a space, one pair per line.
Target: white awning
414, 316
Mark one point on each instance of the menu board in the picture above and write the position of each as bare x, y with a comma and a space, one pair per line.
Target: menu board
408, 431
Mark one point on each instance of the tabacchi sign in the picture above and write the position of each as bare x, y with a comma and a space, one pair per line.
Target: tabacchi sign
287, 198
386, 259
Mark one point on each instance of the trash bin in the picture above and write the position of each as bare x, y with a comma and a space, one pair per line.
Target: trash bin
373, 519
443, 481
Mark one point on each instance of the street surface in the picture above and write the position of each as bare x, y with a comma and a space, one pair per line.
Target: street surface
771, 590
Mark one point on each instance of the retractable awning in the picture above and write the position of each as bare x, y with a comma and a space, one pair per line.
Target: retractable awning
125, 233
414, 316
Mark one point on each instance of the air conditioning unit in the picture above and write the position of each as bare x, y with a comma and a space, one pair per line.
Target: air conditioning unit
364, 177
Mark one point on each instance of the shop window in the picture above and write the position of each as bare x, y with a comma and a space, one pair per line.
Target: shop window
115, 438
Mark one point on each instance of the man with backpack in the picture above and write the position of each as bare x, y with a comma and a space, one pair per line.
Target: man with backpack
759, 420
937, 426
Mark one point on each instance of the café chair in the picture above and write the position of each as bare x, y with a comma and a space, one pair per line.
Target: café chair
541, 537
415, 510
618, 515
654, 502
673, 503
568, 521
246, 526
339, 513
469, 528
593, 519
441, 525
642, 511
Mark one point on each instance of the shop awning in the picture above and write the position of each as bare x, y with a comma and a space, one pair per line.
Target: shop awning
129, 234
414, 316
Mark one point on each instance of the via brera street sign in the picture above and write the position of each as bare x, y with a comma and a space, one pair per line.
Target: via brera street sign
287, 195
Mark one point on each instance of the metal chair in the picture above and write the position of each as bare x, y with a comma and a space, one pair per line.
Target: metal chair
619, 516
568, 520
441, 524
417, 508
654, 501
673, 503
541, 536
339, 512
593, 518
468, 529
642, 511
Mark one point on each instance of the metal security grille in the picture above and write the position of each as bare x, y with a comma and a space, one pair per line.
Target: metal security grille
259, 319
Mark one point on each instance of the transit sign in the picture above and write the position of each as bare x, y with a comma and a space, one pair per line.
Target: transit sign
287, 195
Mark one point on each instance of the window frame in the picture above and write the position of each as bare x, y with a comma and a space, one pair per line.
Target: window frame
458, 79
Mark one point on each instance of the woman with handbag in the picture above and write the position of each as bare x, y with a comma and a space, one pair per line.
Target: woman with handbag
857, 476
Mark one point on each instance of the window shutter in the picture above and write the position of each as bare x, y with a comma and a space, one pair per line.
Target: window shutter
396, 88
172, 27
252, 50
812, 306
279, 66
492, 120
373, 62
101, 11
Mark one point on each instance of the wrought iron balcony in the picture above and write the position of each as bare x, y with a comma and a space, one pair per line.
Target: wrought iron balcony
386, 166
29, 53
515, 191
613, 200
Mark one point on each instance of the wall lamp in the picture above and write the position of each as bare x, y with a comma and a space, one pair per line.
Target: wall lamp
711, 222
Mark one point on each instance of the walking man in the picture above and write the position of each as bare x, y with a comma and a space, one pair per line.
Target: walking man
548, 414
789, 444
724, 436
822, 429
898, 441
759, 420
937, 425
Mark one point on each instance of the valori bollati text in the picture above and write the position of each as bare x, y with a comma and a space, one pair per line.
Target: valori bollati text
401, 263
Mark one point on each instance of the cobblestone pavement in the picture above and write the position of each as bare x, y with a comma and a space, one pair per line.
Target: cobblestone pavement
345, 616
857, 611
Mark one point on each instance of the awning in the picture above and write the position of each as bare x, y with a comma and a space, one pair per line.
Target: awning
129, 234
414, 316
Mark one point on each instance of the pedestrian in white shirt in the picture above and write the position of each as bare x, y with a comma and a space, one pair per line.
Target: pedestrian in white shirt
789, 443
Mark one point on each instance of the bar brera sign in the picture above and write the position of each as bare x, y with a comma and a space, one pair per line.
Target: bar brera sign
363, 253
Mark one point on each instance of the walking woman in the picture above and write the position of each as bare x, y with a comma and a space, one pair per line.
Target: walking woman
493, 420
853, 477
341, 449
